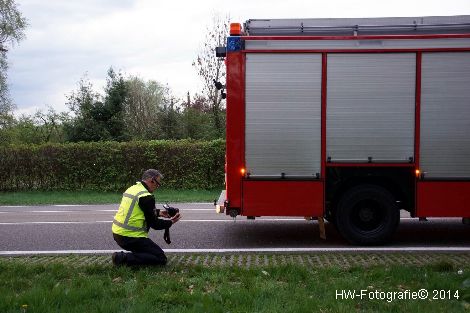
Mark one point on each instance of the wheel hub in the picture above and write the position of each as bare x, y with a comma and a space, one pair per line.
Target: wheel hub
366, 214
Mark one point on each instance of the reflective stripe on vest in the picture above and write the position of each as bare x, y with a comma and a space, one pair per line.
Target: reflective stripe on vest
126, 225
131, 209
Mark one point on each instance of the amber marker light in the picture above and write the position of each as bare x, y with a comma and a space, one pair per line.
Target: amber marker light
235, 29
243, 171
418, 173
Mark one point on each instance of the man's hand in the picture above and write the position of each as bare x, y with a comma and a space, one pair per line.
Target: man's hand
175, 218
164, 213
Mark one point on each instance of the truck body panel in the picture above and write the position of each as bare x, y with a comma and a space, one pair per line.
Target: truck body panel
282, 198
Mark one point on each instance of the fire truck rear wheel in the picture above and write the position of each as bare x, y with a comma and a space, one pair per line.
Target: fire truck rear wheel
367, 215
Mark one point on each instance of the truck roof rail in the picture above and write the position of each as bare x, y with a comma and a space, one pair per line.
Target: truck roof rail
359, 26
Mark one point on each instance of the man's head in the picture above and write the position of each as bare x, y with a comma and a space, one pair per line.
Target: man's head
152, 178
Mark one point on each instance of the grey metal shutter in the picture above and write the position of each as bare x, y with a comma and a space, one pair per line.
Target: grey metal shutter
445, 115
283, 114
371, 107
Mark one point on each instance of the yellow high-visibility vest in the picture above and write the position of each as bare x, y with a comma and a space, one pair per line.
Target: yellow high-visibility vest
129, 220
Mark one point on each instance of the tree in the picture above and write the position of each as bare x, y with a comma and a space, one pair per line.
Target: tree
141, 108
210, 68
12, 26
98, 118
41, 127
50, 125
83, 103
89, 122
196, 118
116, 93
6, 116
169, 117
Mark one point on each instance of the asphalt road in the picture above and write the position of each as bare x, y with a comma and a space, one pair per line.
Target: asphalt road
88, 227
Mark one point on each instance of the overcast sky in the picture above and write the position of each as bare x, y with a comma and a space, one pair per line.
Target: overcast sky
152, 38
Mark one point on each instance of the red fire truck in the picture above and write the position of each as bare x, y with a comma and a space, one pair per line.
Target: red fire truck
351, 120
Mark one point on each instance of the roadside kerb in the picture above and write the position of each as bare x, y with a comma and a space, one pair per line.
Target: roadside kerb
250, 260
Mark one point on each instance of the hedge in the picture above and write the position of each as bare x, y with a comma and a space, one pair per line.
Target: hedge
111, 166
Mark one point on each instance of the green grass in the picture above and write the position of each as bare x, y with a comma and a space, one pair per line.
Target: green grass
101, 288
95, 197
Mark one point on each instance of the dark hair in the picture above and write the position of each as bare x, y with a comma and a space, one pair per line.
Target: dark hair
151, 173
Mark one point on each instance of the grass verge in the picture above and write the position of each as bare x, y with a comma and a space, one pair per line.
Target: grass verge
95, 197
178, 288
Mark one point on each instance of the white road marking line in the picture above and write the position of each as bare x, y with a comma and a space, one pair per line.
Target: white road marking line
206, 221
253, 250
57, 252
77, 211
45, 211
326, 249
194, 203
58, 211
176, 204
246, 220
70, 211
97, 222
36, 223
71, 205
197, 210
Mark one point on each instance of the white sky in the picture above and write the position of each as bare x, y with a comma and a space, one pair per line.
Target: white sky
152, 38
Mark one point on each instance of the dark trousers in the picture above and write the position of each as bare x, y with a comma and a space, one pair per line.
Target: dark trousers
143, 251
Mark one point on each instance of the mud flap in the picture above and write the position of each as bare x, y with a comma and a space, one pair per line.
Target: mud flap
321, 226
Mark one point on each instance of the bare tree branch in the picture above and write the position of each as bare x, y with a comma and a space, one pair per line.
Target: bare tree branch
210, 68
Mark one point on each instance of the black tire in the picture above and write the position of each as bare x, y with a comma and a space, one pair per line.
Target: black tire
367, 215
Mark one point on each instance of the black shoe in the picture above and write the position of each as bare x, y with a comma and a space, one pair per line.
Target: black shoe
118, 258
